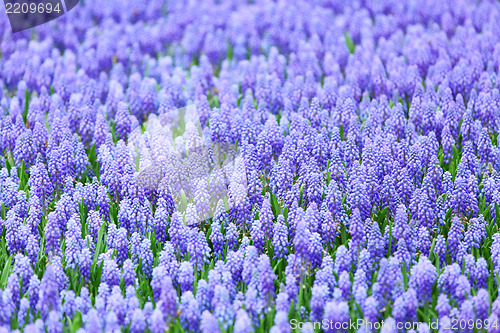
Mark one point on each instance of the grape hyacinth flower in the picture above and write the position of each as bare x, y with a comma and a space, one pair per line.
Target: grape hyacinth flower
280, 238
354, 167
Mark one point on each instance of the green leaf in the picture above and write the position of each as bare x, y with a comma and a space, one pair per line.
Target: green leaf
381, 215
3, 211
75, 322
99, 247
7, 269
405, 275
184, 201
349, 42
497, 211
26, 106
275, 205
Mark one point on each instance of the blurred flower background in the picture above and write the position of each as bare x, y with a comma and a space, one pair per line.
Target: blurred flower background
228, 166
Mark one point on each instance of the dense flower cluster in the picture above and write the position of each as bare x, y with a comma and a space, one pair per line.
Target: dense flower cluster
365, 184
